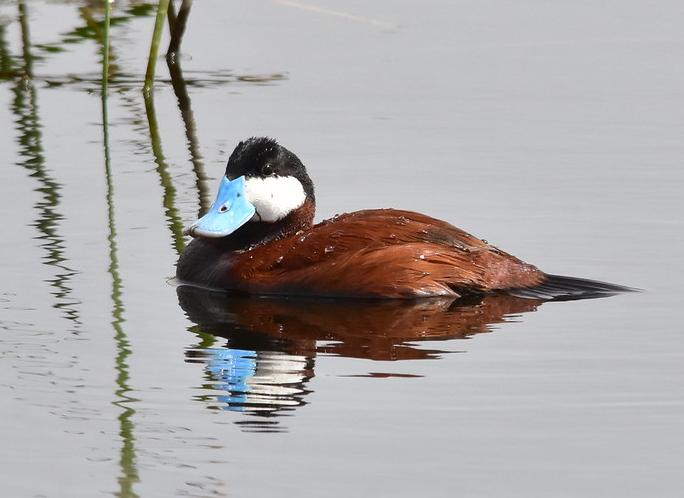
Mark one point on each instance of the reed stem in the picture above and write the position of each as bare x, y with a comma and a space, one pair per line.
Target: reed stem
154, 46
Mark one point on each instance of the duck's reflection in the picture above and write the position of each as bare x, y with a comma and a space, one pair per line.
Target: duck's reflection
253, 380
271, 342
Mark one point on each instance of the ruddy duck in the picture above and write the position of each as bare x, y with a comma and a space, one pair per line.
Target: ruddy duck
259, 238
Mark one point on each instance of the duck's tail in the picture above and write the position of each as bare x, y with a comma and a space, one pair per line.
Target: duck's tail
561, 288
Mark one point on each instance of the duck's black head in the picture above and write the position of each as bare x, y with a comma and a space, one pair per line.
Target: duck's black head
266, 193
276, 180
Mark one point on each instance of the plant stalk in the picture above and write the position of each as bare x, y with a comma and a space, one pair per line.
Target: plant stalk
154, 46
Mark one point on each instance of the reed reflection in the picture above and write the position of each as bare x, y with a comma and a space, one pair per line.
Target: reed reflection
25, 109
123, 399
165, 179
177, 25
271, 343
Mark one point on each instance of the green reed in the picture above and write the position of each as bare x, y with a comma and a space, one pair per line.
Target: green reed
154, 46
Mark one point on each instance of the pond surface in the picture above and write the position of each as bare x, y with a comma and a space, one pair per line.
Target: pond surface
552, 129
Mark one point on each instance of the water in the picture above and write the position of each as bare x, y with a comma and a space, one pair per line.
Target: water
553, 130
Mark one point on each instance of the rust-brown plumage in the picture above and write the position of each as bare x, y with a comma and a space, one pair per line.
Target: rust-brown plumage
383, 253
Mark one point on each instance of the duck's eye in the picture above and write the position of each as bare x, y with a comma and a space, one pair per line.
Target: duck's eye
267, 170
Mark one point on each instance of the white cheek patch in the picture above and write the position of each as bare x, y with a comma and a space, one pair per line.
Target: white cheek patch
274, 197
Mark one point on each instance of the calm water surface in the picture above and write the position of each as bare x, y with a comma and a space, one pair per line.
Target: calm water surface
552, 129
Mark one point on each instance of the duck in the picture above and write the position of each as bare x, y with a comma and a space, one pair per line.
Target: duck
259, 238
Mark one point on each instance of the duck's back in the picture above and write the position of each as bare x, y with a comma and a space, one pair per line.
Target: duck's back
383, 253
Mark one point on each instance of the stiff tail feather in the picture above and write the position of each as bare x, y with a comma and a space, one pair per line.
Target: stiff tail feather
561, 288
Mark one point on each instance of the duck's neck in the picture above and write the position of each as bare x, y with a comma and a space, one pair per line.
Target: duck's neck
256, 233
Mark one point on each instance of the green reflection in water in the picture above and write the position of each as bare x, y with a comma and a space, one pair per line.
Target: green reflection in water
8, 66
127, 458
180, 88
169, 199
25, 109
93, 29
99, 31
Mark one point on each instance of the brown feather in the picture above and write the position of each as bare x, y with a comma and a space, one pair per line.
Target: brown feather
382, 253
